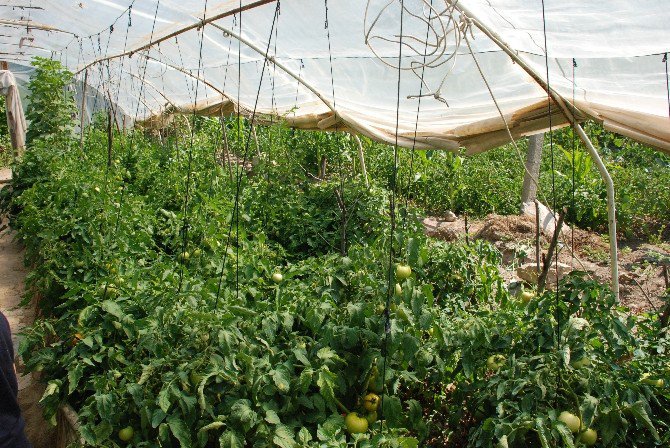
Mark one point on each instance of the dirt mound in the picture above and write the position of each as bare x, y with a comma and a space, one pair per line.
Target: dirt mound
508, 228
641, 277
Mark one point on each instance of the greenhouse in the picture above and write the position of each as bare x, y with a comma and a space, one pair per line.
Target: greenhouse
381, 223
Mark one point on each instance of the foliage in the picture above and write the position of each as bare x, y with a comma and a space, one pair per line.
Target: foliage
160, 312
491, 182
51, 109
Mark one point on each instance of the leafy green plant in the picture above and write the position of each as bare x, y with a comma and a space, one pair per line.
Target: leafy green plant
165, 324
51, 108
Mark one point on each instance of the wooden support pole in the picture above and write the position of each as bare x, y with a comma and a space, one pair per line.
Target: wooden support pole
537, 236
361, 157
532, 171
541, 281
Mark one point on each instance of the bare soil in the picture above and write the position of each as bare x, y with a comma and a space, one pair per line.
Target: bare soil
12, 275
641, 264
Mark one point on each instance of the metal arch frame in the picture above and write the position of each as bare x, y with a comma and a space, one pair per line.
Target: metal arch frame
196, 25
611, 205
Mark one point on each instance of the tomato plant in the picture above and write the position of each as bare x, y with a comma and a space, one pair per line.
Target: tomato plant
216, 349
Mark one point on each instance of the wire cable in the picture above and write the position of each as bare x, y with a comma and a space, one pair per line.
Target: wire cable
391, 289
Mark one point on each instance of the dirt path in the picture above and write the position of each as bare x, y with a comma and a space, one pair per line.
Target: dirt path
12, 274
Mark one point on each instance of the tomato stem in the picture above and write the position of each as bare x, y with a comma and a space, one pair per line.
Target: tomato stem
341, 406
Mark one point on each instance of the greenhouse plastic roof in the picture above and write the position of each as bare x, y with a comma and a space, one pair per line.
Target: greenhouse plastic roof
150, 57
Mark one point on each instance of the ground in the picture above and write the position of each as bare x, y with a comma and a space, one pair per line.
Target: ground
641, 264
12, 274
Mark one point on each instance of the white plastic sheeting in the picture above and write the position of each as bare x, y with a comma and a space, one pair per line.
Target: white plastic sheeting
16, 121
618, 47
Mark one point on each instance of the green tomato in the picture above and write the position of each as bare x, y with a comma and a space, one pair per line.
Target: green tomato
126, 434
371, 417
371, 402
355, 423
527, 296
495, 362
108, 292
403, 272
582, 362
571, 421
277, 277
588, 437
646, 379
398, 289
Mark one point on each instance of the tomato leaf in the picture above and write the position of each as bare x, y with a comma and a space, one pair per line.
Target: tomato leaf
283, 437
157, 418
542, 432
272, 417
588, 409
241, 411
640, 414
113, 308
180, 430
565, 434
281, 378
230, 439
73, 377
304, 437
213, 425
326, 382
164, 399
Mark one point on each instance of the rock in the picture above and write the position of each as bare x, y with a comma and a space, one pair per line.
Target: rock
528, 273
450, 216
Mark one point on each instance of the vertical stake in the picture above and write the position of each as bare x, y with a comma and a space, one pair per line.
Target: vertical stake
537, 236
109, 137
83, 112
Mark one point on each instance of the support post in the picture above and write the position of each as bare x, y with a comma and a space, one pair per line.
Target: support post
361, 158
537, 236
532, 171
611, 207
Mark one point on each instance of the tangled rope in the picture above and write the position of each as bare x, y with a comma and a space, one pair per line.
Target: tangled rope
447, 28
